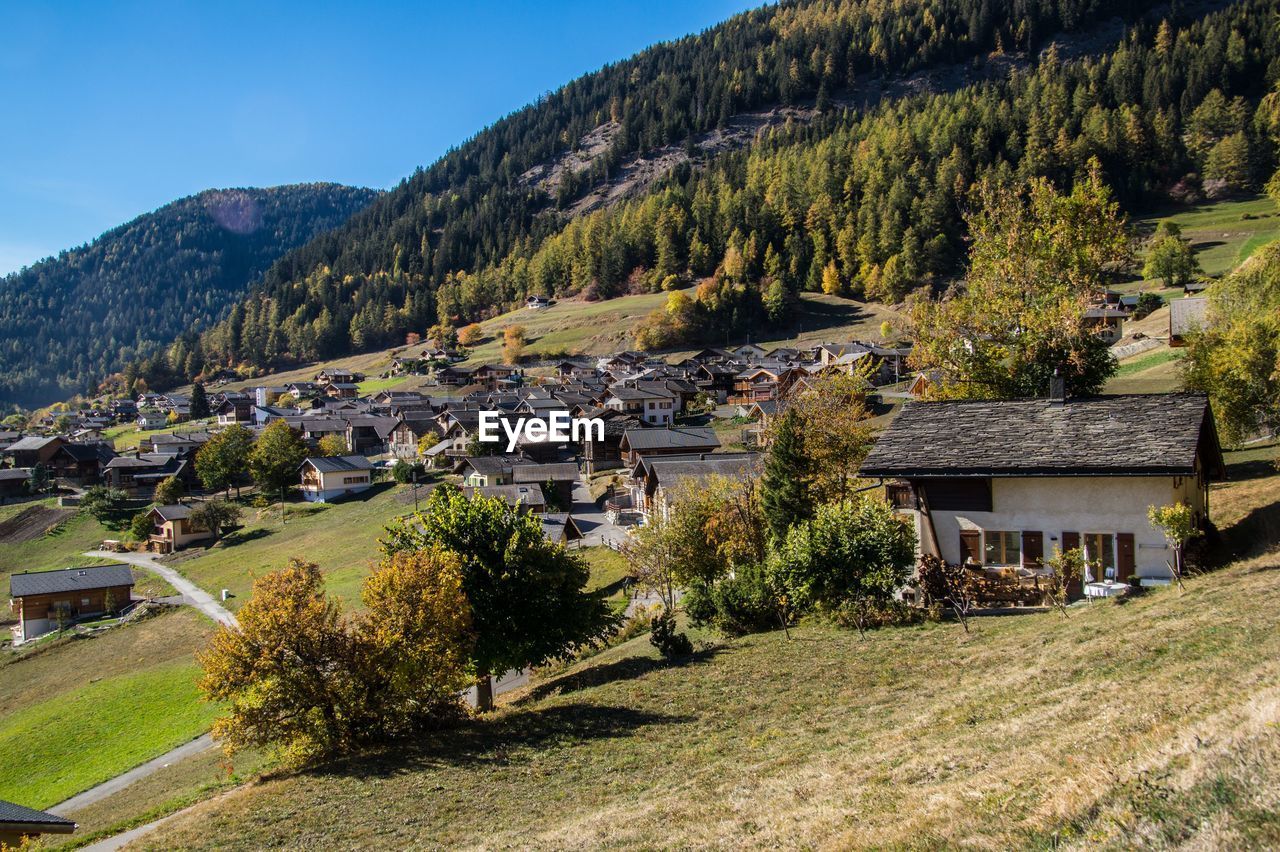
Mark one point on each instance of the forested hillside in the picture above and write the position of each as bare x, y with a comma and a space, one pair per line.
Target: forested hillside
67, 321
866, 201
369, 283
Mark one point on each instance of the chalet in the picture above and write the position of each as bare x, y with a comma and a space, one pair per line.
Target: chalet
653, 405
1107, 323
452, 376
331, 375
328, 478
33, 450
152, 418
409, 430
537, 302
177, 443
341, 390
264, 414
1002, 484
527, 497
755, 384
559, 476
574, 369
19, 825
749, 351
606, 454
81, 464
13, 482
300, 390
139, 475
643, 443
369, 434
717, 379
395, 397
174, 529
314, 428
41, 600
483, 471
234, 410
1186, 315
654, 479
493, 375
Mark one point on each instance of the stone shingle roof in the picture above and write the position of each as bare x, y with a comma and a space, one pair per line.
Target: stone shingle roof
69, 580
1127, 435
333, 464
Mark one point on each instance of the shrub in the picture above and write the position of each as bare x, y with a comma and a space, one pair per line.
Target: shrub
743, 603
665, 638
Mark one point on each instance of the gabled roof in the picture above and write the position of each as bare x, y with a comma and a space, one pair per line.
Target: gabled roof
624, 392
529, 494
1185, 315
333, 464
1127, 435
171, 513
668, 469
664, 439
33, 442
69, 580
24, 820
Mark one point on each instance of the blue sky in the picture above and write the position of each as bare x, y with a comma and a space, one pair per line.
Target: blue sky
109, 110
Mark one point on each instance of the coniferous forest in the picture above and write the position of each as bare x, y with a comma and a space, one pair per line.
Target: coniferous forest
858, 195
67, 321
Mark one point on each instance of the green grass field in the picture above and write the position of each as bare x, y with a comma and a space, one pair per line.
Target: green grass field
340, 537
79, 712
1223, 233
1038, 731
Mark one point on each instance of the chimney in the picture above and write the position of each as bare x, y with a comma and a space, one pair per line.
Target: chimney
1057, 388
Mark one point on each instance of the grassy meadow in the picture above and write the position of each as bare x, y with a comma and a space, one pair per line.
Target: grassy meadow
77, 712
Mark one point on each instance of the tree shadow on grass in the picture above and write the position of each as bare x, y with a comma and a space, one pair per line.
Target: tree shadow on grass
243, 536
498, 740
628, 668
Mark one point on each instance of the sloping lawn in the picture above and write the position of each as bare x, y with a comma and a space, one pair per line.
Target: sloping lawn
1143, 722
79, 712
342, 538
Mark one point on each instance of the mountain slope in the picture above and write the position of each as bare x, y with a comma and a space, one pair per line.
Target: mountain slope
368, 283
69, 320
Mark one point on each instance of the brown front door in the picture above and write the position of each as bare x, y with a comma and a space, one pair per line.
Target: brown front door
1032, 549
970, 546
1125, 562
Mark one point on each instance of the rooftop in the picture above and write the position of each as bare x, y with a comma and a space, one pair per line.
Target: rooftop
1125, 435
69, 580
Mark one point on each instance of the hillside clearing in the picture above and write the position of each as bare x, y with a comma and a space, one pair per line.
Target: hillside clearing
339, 537
79, 712
1030, 731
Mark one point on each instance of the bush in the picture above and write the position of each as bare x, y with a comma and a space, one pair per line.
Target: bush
743, 603
665, 638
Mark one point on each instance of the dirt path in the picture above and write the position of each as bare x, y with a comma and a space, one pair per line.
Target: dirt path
200, 744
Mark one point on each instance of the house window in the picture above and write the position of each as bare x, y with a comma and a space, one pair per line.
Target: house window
1100, 551
1003, 548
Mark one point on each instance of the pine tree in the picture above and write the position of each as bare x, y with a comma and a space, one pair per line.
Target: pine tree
784, 487
199, 402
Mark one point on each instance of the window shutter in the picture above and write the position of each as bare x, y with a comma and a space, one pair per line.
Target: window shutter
1125, 562
1032, 548
1070, 541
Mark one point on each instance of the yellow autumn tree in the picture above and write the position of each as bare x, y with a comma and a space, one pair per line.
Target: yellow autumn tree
831, 284
470, 335
299, 678
513, 341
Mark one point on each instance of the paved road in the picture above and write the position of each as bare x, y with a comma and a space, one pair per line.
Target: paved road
192, 594
96, 794
590, 518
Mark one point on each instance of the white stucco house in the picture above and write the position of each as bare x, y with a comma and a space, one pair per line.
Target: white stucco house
1008, 483
327, 478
